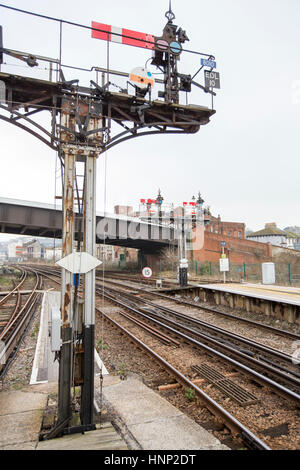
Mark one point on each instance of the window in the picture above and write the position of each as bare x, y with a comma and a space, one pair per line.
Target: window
229, 233
240, 234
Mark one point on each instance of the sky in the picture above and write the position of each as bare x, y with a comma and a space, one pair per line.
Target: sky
245, 162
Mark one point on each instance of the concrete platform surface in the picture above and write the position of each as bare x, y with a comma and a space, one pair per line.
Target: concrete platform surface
45, 369
21, 415
103, 438
290, 295
154, 422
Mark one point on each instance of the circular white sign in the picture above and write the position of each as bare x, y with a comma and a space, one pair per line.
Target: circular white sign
147, 272
141, 77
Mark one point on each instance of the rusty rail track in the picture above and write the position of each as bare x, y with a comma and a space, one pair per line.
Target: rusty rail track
235, 426
15, 329
259, 363
232, 356
16, 289
253, 323
200, 323
153, 331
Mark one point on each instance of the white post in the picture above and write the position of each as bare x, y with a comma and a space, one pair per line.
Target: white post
224, 272
87, 395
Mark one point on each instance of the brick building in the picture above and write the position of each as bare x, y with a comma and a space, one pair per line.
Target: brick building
32, 250
238, 250
15, 250
124, 210
106, 252
230, 229
125, 254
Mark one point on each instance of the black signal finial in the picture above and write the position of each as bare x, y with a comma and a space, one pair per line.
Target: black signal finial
169, 14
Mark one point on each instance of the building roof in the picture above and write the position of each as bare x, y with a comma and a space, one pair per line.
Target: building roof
293, 229
292, 234
270, 229
30, 242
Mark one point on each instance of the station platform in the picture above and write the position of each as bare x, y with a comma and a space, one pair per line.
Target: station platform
284, 294
154, 422
142, 419
45, 369
21, 414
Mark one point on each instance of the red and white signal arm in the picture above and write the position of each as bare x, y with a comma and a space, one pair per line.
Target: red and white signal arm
147, 272
122, 35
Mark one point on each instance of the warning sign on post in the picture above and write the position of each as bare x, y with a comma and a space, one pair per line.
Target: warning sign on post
147, 272
212, 79
224, 264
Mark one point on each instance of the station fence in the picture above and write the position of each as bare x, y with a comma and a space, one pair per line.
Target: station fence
285, 273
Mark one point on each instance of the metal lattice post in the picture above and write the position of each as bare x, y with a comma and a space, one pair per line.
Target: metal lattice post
65, 364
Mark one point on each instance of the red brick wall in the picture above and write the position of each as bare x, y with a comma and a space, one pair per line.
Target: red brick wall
131, 254
224, 227
238, 250
124, 210
152, 261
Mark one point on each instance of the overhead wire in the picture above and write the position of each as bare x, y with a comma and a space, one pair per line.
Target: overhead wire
79, 25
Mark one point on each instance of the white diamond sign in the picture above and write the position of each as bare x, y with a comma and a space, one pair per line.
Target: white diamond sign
79, 263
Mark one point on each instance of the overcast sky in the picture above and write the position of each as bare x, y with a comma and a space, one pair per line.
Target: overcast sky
245, 161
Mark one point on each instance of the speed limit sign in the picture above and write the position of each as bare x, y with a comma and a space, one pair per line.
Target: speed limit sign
147, 272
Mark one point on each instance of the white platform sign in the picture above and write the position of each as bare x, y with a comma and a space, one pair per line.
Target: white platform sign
79, 262
224, 264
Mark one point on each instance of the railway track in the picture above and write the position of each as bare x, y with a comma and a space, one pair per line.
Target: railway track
138, 278
167, 282
8, 311
236, 427
18, 322
216, 407
273, 363
247, 321
221, 345
50, 272
157, 321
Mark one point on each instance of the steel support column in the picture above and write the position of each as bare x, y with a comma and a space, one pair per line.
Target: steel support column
87, 395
